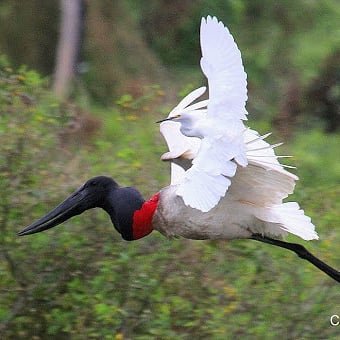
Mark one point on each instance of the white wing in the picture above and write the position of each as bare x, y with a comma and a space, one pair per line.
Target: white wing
222, 145
182, 149
221, 63
204, 168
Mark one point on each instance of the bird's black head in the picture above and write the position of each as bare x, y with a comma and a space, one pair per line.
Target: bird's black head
98, 188
92, 194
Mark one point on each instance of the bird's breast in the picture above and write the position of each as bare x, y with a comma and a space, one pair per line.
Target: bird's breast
174, 219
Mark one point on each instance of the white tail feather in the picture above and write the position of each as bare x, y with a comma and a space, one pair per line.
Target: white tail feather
290, 218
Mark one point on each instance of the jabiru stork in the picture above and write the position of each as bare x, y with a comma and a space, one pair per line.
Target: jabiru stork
226, 180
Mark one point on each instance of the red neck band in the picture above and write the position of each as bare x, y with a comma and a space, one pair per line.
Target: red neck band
142, 218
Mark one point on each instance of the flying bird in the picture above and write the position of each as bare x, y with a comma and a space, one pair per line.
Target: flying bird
226, 180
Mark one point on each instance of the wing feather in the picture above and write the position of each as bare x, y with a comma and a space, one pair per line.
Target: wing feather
222, 146
226, 156
262, 184
263, 187
221, 63
224, 141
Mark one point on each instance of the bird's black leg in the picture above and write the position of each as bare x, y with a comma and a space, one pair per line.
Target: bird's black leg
302, 252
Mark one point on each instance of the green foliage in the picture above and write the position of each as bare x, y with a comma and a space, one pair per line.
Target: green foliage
28, 121
81, 280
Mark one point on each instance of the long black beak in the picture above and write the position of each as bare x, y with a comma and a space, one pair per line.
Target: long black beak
81, 200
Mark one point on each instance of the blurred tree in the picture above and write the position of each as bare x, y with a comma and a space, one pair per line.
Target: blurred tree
171, 28
29, 32
323, 94
284, 51
126, 43
118, 58
71, 23
115, 58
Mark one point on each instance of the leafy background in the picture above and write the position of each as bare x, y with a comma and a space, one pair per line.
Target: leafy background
81, 280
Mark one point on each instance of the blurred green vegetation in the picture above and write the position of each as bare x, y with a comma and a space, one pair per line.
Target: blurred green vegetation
80, 280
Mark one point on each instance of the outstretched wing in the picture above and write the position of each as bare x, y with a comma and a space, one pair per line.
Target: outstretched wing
222, 146
221, 63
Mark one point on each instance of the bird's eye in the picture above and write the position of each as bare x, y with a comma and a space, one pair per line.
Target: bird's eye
91, 184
